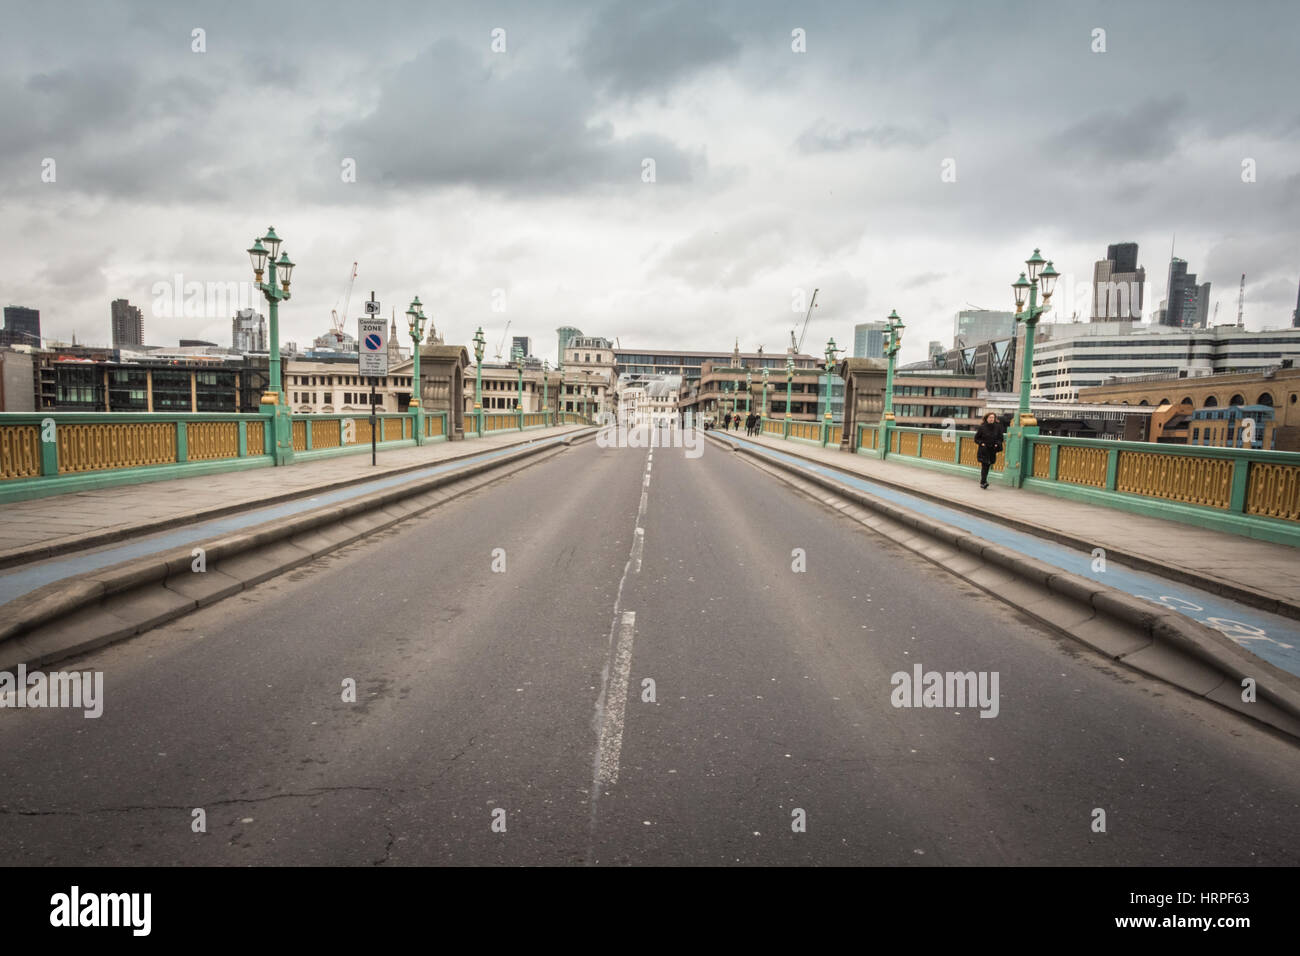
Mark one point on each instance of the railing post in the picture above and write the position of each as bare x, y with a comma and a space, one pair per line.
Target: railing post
243, 439
1240, 484
1054, 462
307, 428
1112, 468
49, 447
182, 443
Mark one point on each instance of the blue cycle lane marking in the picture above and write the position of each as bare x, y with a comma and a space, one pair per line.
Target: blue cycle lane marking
1274, 638
20, 581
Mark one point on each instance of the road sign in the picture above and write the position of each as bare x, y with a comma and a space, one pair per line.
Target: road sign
372, 347
372, 307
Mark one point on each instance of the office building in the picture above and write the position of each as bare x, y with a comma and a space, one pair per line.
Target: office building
128, 324
689, 364
22, 326
1118, 284
248, 331
869, 339
1187, 303
973, 326
522, 344
565, 334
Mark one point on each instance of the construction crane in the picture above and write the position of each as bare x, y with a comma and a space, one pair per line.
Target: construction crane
502, 343
1241, 303
1215, 319
336, 321
798, 346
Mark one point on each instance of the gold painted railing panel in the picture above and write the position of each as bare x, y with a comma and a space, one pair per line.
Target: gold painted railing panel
327, 433
1042, 461
935, 448
392, 430
893, 442
256, 438
809, 430
836, 435
207, 440
433, 425
773, 428
299, 436
1196, 481
20, 451
98, 447
1076, 465
1273, 491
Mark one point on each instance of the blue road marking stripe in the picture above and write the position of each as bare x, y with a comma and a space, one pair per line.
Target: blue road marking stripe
21, 580
1272, 637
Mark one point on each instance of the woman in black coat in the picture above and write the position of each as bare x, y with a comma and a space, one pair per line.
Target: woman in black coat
988, 438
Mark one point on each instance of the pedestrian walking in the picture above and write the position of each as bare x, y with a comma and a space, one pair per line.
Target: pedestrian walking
988, 439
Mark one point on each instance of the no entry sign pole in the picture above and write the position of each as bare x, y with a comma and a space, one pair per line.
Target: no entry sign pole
372, 362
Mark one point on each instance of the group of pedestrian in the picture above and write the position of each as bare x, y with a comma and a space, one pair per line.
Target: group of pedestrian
731, 422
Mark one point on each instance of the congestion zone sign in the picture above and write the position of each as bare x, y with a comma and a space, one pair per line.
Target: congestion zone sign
372, 347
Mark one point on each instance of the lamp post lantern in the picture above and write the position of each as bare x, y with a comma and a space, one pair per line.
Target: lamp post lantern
263, 255
1042, 277
479, 343
415, 320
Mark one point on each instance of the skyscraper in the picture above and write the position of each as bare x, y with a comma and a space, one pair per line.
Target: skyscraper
128, 324
22, 326
1187, 302
982, 325
1117, 284
522, 344
248, 331
869, 339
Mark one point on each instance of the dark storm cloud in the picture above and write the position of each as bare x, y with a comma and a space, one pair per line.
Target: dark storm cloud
1149, 130
634, 47
450, 117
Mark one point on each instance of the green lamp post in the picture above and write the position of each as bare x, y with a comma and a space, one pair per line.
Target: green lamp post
789, 382
764, 415
831, 351
1025, 425
749, 390
546, 393
272, 404
519, 402
415, 320
479, 343
564, 377
893, 342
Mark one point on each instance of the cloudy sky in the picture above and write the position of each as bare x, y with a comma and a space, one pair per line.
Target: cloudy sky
525, 170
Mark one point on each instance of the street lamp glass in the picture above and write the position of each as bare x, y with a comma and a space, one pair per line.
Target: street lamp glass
1021, 288
1047, 281
1034, 262
258, 254
272, 242
284, 269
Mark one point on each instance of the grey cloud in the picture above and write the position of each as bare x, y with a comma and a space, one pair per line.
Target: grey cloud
448, 118
1150, 130
633, 47
826, 137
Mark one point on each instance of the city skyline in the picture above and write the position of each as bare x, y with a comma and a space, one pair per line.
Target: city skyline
516, 177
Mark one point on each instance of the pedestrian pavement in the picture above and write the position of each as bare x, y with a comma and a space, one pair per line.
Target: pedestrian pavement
39, 527
1241, 562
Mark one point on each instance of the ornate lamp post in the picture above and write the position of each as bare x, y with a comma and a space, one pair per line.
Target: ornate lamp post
749, 390
789, 381
1025, 426
830, 361
893, 342
764, 391
264, 260
519, 402
546, 394
564, 375
479, 343
415, 320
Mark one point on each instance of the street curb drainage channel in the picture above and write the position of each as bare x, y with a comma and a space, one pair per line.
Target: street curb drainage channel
1161, 644
76, 615
40, 552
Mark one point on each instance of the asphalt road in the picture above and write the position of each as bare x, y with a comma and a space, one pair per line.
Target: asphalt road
501, 716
